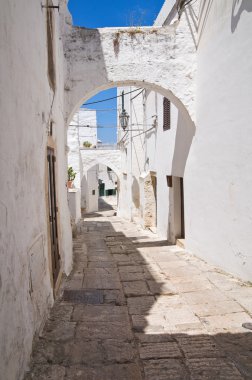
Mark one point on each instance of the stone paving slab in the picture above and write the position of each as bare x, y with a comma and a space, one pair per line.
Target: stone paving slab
212, 368
125, 276
103, 313
160, 350
140, 305
119, 351
227, 322
165, 314
102, 264
103, 330
135, 288
58, 330
101, 282
164, 369
110, 372
200, 346
217, 308
115, 297
141, 322
47, 372
205, 296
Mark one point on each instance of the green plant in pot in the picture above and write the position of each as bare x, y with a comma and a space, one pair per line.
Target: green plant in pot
87, 144
71, 176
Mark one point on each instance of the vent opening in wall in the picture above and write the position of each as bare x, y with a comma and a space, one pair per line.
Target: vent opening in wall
166, 114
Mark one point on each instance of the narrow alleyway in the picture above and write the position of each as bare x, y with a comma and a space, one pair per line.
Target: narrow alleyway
136, 308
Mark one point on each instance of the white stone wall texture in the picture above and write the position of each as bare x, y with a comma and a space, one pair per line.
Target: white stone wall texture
109, 178
218, 184
83, 127
27, 105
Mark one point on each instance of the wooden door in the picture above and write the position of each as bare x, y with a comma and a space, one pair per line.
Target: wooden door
182, 208
178, 207
53, 209
154, 189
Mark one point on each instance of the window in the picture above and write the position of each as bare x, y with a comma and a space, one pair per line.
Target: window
166, 114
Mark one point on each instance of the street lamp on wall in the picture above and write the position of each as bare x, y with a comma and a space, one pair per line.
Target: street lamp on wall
123, 117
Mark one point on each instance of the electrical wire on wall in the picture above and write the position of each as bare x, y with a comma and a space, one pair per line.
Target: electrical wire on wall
138, 94
110, 110
100, 110
113, 97
108, 126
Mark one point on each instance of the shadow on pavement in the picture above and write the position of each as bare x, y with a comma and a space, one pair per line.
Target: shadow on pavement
138, 327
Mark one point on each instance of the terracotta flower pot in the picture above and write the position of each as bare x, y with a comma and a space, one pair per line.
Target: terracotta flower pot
69, 184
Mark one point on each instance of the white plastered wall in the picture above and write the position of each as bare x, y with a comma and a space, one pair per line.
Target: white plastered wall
161, 152
218, 179
166, 154
109, 178
91, 189
83, 127
27, 105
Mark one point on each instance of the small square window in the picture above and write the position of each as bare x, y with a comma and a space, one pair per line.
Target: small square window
93, 192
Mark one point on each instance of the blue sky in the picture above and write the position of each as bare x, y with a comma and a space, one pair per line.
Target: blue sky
99, 14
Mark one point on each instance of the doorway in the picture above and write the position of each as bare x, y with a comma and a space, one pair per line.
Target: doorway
178, 207
154, 190
53, 210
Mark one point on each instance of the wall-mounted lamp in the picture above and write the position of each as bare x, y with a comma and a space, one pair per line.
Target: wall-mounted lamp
123, 117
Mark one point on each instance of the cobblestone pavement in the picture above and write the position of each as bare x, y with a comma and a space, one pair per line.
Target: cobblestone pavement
136, 308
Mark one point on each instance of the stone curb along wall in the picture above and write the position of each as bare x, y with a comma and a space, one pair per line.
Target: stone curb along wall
28, 105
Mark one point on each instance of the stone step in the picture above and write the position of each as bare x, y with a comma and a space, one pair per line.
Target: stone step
180, 243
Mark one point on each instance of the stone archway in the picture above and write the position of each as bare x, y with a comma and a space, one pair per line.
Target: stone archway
110, 158
92, 173
161, 59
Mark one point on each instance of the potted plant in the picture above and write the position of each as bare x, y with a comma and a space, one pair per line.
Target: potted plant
87, 144
71, 176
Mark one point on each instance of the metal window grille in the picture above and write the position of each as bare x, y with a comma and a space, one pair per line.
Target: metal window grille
166, 114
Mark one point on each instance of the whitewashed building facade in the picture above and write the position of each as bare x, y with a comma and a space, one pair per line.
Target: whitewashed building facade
193, 181
48, 69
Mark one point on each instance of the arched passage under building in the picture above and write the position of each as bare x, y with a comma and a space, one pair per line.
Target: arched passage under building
160, 60
110, 158
99, 185
158, 203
